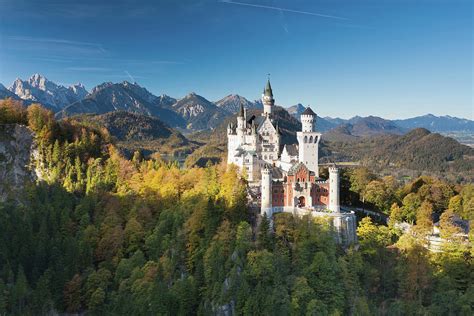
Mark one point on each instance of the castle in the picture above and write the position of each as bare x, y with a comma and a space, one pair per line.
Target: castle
287, 176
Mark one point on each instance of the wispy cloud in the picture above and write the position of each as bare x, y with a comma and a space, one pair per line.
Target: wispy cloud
59, 42
88, 69
129, 75
170, 62
144, 62
283, 22
284, 9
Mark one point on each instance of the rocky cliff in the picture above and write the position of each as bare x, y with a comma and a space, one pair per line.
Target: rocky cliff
17, 153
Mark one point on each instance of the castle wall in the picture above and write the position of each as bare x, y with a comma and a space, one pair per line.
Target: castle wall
344, 224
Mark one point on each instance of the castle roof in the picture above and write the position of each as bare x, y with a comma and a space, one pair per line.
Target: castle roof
308, 111
292, 150
268, 89
239, 152
277, 173
294, 169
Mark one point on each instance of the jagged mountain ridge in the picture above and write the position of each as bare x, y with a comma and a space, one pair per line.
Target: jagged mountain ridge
231, 103
5, 93
39, 89
125, 96
193, 114
199, 112
296, 110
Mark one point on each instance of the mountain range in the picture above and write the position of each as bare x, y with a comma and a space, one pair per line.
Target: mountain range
231, 103
39, 89
125, 96
194, 112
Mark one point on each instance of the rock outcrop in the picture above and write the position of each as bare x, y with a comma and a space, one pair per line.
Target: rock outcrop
17, 154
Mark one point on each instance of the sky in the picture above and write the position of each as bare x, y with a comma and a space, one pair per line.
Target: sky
389, 58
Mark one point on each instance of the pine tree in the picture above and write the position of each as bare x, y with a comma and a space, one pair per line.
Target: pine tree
20, 291
264, 235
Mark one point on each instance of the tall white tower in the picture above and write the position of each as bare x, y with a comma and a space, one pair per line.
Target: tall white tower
308, 141
241, 125
266, 190
267, 99
334, 189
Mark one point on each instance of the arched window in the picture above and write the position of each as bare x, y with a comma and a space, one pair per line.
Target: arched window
305, 139
311, 139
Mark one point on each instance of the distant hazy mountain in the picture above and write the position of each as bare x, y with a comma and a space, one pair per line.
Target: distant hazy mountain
39, 89
296, 110
199, 112
125, 96
363, 126
335, 121
437, 123
231, 103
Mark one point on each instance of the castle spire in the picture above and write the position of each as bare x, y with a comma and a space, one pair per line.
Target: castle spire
268, 89
267, 99
241, 111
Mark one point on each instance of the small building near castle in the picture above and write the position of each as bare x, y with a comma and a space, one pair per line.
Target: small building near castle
287, 175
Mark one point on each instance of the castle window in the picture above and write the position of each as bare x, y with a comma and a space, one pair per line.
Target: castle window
305, 139
311, 139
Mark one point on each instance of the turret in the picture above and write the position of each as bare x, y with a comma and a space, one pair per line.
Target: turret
254, 128
334, 205
266, 191
267, 99
308, 141
241, 118
308, 120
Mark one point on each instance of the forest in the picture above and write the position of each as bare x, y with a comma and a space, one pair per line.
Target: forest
104, 235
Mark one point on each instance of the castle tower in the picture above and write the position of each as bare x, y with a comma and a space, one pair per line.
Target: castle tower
334, 189
241, 118
266, 191
308, 141
241, 125
267, 99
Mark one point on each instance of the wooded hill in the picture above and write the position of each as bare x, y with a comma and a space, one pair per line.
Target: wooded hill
134, 131
100, 234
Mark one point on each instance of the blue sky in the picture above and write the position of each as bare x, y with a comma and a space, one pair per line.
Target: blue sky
394, 59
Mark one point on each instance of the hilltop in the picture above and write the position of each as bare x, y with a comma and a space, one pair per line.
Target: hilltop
134, 131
